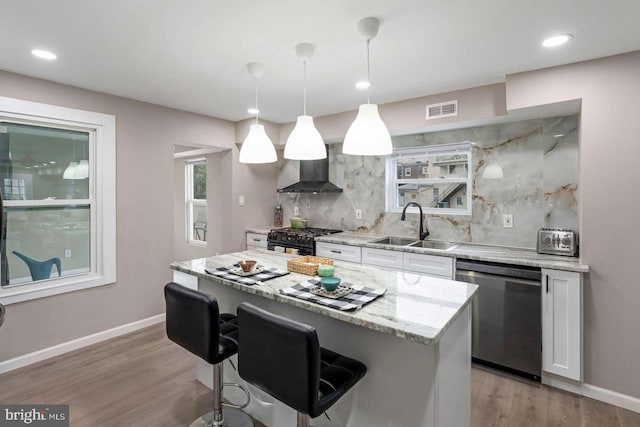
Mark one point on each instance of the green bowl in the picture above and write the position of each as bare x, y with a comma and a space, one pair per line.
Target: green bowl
330, 283
326, 270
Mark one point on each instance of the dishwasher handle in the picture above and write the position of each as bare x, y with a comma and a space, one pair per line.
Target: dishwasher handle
473, 276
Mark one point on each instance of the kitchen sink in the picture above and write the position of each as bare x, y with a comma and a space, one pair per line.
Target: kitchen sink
394, 241
430, 244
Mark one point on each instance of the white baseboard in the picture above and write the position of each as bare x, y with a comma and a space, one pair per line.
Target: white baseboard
56, 350
594, 392
612, 397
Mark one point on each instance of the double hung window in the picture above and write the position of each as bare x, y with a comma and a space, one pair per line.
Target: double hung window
57, 179
196, 201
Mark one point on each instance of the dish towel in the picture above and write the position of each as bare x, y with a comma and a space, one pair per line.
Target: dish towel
266, 274
360, 295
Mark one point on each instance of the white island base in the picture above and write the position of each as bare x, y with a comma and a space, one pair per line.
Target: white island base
407, 384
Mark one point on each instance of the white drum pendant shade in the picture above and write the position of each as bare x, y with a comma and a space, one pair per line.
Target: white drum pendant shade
367, 135
257, 147
305, 142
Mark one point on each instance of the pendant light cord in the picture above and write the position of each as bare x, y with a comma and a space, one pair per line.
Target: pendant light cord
368, 72
257, 108
304, 65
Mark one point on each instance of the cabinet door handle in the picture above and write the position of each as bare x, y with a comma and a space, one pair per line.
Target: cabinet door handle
257, 240
547, 284
335, 251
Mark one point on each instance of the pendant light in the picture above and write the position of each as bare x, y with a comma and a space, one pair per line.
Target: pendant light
368, 135
305, 142
257, 147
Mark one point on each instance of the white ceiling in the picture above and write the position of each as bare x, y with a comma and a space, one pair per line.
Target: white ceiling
191, 54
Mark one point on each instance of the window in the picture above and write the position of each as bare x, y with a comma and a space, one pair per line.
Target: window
196, 201
58, 189
444, 186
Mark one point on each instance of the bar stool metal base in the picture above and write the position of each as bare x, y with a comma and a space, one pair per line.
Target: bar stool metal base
232, 418
302, 420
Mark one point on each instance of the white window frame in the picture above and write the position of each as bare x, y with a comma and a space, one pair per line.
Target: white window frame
392, 181
102, 194
191, 203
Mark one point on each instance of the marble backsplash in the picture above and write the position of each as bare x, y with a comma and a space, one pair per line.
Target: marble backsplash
540, 186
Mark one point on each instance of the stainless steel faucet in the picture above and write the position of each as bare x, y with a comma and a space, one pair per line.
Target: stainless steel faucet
423, 233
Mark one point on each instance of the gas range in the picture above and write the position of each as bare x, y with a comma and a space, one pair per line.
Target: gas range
302, 239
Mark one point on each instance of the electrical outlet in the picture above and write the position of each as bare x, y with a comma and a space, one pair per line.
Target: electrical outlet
67, 253
507, 221
296, 210
358, 213
241, 200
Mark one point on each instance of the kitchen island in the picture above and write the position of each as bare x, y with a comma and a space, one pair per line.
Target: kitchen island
415, 341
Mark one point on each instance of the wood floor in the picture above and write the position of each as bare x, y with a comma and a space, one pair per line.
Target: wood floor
142, 379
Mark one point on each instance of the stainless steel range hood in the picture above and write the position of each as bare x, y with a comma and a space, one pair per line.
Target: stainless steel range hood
314, 178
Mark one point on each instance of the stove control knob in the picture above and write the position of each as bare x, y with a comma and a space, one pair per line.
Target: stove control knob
546, 240
565, 241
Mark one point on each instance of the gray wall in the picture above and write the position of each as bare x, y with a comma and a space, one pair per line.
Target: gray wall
145, 135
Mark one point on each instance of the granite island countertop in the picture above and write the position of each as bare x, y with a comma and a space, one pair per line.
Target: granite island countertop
501, 254
415, 307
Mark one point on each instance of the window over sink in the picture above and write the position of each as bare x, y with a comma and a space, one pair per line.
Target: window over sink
437, 177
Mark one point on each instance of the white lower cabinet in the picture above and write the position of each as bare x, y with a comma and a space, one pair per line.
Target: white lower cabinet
430, 265
562, 323
382, 258
339, 252
256, 241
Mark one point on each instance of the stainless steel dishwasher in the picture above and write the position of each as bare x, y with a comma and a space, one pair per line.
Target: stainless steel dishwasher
507, 323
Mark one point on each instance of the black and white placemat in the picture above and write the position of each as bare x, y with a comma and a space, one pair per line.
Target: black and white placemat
266, 274
360, 296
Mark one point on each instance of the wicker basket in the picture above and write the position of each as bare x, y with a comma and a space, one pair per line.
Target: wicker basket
307, 264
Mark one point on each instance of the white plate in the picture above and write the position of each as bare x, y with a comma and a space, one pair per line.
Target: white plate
240, 272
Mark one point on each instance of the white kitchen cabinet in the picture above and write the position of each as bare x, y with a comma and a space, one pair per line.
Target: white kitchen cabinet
382, 258
256, 241
339, 252
429, 265
562, 323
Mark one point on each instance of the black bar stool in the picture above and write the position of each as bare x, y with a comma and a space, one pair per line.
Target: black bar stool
195, 323
283, 358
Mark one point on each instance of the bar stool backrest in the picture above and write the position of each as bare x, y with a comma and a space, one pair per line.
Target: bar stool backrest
280, 356
192, 321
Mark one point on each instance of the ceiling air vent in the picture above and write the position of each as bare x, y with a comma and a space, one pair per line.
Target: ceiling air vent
442, 109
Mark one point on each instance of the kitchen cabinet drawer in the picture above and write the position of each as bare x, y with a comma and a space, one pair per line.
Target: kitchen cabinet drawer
562, 323
431, 265
255, 239
339, 252
382, 258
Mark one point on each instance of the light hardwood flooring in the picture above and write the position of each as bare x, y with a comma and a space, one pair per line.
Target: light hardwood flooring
143, 379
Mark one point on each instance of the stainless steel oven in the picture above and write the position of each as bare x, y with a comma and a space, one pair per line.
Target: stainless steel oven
507, 316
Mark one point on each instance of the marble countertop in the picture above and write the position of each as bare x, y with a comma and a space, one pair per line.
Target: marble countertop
503, 254
415, 307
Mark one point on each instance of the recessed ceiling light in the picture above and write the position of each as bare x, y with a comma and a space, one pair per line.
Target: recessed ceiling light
52, 162
363, 85
557, 40
560, 135
253, 111
44, 54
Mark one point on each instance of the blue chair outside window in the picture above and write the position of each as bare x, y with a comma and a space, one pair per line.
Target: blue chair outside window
40, 270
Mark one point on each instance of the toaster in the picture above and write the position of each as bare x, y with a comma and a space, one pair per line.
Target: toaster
555, 241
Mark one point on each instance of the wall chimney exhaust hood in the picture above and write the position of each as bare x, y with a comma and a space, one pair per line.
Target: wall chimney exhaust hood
314, 178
